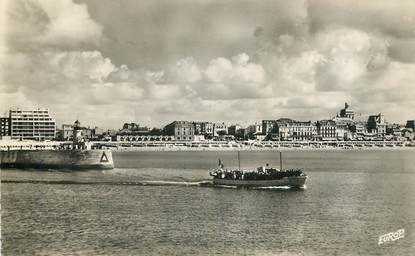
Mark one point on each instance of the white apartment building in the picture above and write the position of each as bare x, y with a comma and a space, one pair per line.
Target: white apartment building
34, 124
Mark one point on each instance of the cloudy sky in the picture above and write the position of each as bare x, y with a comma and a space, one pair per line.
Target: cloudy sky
109, 62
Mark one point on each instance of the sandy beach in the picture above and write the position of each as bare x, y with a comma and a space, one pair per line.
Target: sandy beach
254, 148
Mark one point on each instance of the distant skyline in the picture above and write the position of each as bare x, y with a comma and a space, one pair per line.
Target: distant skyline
152, 62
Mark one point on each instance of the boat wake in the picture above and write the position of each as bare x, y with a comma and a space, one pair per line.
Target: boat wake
119, 177
126, 183
204, 183
280, 188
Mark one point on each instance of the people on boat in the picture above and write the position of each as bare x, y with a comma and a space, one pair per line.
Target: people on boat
261, 173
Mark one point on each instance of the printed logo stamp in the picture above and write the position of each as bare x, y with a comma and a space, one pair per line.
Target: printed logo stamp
392, 236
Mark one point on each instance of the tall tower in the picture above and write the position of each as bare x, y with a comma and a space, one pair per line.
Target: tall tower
346, 112
77, 134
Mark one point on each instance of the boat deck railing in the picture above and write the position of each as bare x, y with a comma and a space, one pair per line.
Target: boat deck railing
268, 174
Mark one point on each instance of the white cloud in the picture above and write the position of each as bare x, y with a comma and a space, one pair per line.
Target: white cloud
293, 75
333, 65
59, 24
74, 77
330, 60
218, 70
303, 65
349, 54
79, 66
394, 85
239, 70
186, 71
69, 21
53, 69
222, 78
395, 18
153, 77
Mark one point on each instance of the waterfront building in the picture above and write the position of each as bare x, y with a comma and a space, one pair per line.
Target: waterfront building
288, 129
344, 133
129, 132
88, 133
133, 127
207, 128
359, 129
343, 120
110, 133
130, 126
268, 126
408, 133
242, 133
326, 129
35, 124
198, 138
259, 137
376, 124
203, 128
234, 129
347, 112
4, 126
344, 127
141, 138
282, 128
98, 131
220, 129
59, 134
410, 124
198, 127
156, 131
237, 132
141, 131
77, 134
255, 129
67, 132
303, 130
181, 130
394, 129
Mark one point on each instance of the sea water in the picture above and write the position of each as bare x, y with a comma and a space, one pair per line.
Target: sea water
152, 204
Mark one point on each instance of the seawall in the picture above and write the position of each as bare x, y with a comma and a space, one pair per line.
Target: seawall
57, 159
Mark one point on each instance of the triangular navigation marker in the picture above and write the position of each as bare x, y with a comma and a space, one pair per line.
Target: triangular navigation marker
104, 157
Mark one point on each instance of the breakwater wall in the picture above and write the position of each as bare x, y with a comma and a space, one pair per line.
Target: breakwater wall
57, 159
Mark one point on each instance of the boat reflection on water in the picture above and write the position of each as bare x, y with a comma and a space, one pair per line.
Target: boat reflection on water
263, 176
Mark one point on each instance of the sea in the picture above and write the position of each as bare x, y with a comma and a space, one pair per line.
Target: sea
154, 203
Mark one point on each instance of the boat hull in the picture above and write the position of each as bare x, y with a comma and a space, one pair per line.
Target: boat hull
57, 159
295, 182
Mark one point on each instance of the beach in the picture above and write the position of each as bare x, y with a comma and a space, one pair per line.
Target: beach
241, 147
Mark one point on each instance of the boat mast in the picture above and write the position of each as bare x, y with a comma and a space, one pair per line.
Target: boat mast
280, 161
239, 160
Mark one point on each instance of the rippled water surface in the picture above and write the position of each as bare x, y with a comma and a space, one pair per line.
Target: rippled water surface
152, 204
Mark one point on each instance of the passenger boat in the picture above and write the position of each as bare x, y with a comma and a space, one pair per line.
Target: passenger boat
264, 176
